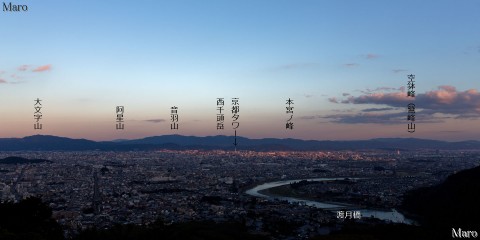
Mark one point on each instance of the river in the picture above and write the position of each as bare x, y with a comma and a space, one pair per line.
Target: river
393, 215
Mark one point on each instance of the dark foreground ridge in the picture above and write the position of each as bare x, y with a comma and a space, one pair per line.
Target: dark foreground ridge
28, 219
453, 203
178, 142
441, 209
32, 219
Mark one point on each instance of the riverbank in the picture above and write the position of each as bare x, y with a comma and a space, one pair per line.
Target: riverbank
342, 199
263, 191
286, 191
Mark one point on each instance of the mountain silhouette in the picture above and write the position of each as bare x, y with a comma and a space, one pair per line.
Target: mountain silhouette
453, 203
179, 142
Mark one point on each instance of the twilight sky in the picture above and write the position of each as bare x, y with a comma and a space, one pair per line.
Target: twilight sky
344, 63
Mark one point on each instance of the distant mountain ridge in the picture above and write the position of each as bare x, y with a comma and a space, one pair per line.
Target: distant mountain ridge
179, 142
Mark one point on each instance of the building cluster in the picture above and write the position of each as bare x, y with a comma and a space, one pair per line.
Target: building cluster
95, 188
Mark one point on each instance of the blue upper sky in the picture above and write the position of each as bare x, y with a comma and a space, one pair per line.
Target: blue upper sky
343, 62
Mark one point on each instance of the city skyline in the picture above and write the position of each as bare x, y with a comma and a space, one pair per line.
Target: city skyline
344, 64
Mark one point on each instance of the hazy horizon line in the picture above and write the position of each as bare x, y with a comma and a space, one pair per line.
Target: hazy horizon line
130, 139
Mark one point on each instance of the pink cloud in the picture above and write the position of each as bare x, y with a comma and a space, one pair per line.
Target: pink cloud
430, 105
448, 88
380, 98
371, 56
446, 95
2, 81
446, 100
43, 68
350, 64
